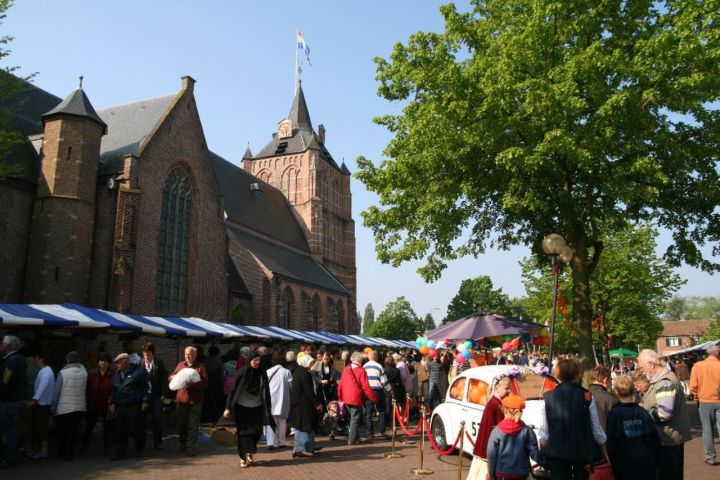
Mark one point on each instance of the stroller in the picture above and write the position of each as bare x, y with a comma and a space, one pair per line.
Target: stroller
334, 419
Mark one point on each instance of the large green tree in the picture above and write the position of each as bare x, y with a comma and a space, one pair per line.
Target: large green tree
428, 322
628, 293
712, 332
692, 308
478, 295
397, 322
526, 117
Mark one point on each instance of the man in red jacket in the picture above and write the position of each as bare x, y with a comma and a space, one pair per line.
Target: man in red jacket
189, 403
352, 387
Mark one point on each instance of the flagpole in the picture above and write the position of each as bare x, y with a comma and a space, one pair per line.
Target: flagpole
297, 66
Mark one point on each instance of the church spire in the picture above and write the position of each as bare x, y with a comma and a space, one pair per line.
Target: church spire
77, 104
299, 115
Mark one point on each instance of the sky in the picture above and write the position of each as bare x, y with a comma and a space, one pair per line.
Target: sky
242, 55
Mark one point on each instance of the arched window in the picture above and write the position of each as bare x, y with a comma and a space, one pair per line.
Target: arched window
315, 313
333, 316
286, 308
238, 315
288, 184
173, 249
264, 175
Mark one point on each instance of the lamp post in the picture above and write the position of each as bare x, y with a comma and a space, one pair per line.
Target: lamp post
555, 246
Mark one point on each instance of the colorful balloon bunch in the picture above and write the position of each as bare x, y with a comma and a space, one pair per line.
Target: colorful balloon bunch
426, 346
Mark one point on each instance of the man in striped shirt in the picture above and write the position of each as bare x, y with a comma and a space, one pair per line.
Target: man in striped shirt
378, 382
665, 401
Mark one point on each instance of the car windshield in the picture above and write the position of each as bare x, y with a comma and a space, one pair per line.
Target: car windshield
531, 386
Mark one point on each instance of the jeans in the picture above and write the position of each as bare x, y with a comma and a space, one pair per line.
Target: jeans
381, 408
355, 416
9, 429
304, 441
709, 417
435, 398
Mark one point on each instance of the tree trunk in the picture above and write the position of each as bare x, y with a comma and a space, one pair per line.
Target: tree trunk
582, 307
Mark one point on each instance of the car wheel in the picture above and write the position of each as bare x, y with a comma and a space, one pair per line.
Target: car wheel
437, 430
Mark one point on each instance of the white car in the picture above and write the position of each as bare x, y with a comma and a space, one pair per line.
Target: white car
470, 391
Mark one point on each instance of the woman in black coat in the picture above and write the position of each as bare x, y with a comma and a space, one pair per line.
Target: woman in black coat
397, 388
249, 402
305, 404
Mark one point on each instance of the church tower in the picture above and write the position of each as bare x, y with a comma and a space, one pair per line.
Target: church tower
297, 162
58, 267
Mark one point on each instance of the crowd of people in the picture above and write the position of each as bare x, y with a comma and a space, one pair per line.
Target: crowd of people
633, 422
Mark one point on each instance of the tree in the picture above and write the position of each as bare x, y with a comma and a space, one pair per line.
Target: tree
360, 319
369, 318
397, 322
629, 290
529, 117
10, 86
692, 308
477, 295
428, 323
712, 332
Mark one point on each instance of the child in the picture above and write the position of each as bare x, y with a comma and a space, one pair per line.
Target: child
512, 443
633, 441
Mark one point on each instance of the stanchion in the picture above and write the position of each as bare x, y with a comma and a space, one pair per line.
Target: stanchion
422, 470
460, 450
406, 416
392, 453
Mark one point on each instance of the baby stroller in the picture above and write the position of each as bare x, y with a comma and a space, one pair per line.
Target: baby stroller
334, 419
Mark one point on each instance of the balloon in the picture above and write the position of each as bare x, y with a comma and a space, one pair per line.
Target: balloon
462, 347
468, 344
515, 343
433, 353
508, 338
424, 350
478, 392
480, 341
506, 346
431, 344
526, 338
466, 354
460, 359
420, 341
544, 332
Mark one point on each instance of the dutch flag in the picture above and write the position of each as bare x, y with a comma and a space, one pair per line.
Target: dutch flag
302, 45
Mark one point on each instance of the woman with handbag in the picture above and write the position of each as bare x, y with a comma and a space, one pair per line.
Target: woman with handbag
353, 388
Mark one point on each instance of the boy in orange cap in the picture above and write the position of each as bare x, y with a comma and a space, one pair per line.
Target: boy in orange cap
512, 443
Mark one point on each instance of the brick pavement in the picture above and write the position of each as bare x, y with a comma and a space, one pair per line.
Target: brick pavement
337, 461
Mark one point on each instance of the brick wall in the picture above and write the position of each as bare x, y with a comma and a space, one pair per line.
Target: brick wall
15, 218
179, 142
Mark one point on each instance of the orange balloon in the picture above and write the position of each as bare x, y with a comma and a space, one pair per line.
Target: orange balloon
424, 349
478, 392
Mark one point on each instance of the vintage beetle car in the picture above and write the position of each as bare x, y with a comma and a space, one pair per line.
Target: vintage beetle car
470, 391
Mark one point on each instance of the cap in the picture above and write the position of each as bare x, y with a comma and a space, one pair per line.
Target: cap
514, 401
122, 356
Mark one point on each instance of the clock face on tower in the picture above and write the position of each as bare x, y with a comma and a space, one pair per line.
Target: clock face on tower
285, 129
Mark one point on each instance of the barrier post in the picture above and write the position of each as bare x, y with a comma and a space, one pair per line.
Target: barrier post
422, 470
392, 453
460, 450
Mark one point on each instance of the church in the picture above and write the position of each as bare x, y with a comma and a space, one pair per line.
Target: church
127, 209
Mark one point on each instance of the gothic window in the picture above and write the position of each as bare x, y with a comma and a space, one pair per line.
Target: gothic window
286, 308
315, 313
173, 249
289, 184
340, 317
333, 314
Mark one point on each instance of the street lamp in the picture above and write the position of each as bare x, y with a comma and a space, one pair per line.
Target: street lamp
555, 246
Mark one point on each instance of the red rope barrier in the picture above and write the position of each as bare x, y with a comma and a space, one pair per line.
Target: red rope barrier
402, 425
434, 445
467, 435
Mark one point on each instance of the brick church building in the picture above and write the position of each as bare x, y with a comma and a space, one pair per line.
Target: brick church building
127, 209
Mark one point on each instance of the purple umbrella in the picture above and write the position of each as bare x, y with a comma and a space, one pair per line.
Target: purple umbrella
479, 325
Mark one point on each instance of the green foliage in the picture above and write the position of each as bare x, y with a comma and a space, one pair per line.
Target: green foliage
10, 85
397, 322
629, 288
428, 323
526, 117
477, 295
712, 332
692, 308
369, 318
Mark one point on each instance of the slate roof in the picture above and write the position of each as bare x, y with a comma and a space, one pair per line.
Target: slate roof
303, 137
680, 328
283, 261
236, 282
270, 214
129, 125
31, 103
76, 104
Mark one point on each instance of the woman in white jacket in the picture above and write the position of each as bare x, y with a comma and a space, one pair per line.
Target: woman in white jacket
280, 380
69, 404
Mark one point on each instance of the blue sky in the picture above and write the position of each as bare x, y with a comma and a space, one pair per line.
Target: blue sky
242, 55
